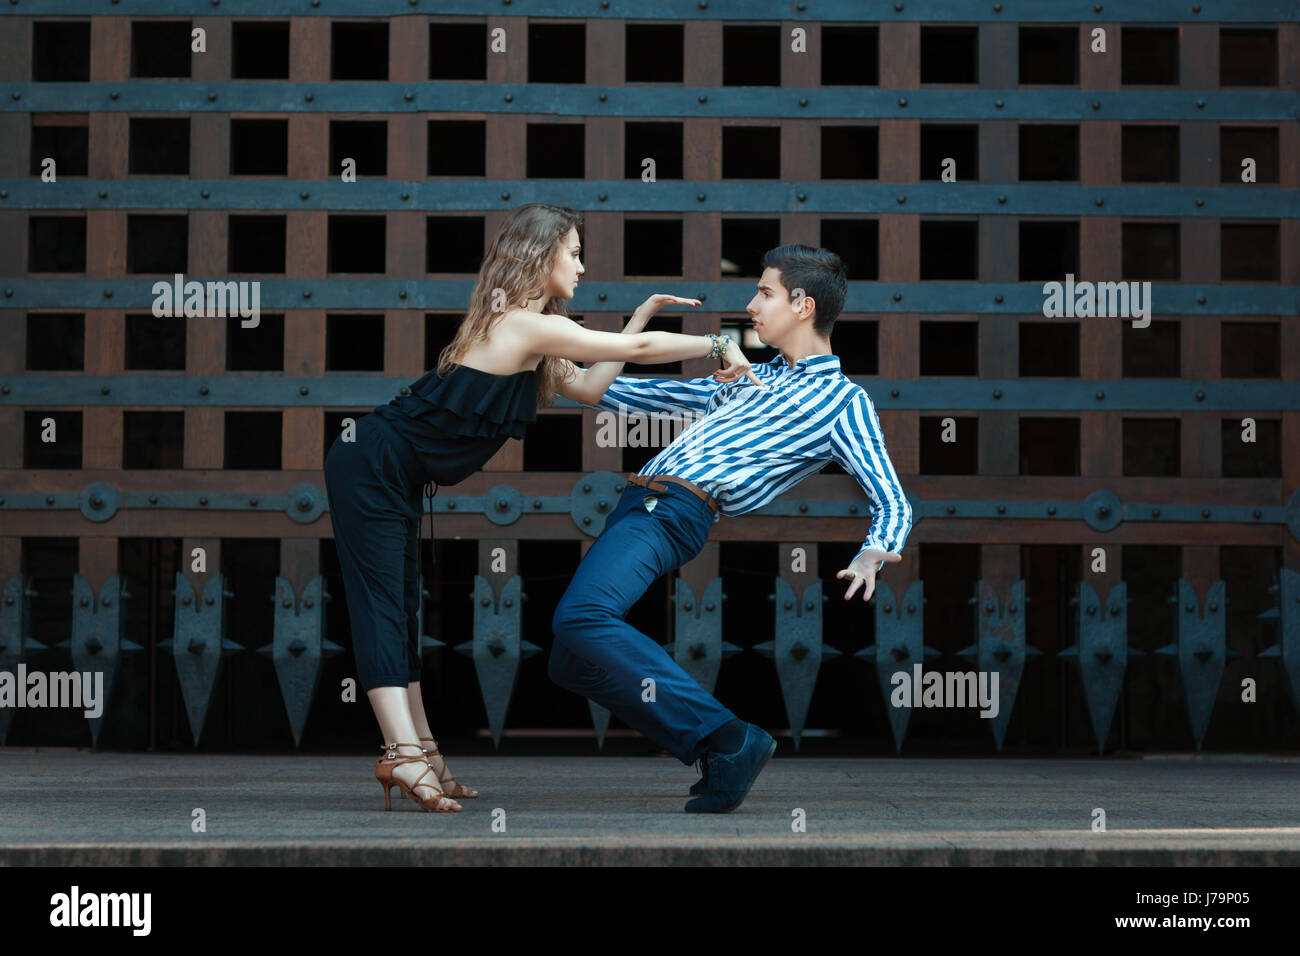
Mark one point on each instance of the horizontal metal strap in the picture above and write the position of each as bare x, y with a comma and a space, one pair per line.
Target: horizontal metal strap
948, 298
939, 394
867, 199
846, 11
578, 100
504, 505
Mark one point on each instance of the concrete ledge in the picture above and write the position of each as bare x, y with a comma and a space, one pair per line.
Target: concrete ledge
107, 809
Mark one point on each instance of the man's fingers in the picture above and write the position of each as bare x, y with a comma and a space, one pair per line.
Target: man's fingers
891, 558
754, 378
857, 583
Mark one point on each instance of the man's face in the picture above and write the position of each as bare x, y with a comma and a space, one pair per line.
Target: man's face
773, 315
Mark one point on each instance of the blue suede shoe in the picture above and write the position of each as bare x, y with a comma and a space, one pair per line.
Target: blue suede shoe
731, 775
702, 785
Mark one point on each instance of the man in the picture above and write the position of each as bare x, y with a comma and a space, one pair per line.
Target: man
749, 444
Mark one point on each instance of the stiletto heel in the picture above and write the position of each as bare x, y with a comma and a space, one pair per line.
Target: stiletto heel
384, 768
457, 790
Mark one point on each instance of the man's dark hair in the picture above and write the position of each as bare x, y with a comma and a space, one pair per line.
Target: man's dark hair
821, 275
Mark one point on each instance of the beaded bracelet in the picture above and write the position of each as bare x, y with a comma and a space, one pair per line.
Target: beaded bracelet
720, 345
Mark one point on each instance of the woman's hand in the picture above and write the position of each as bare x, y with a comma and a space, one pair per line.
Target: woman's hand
652, 305
735, 366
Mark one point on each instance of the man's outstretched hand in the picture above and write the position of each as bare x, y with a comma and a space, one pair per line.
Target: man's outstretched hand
862, 571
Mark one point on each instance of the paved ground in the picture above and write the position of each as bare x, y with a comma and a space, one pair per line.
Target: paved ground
62, 808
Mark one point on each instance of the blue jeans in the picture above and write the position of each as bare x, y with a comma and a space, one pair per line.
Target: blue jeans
599, 655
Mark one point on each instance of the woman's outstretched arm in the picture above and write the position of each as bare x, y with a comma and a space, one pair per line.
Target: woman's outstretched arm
587, 385
559, 336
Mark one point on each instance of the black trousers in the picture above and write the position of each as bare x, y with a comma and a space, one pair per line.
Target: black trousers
375, 510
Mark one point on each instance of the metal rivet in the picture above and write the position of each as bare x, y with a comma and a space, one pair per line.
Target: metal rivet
203, 500
701, 98
103, 390
997, 393
997, 8
1200, 104
893, 393
304, 194
853, 509
1196, 8
998, 104
898, 297
408, 96
108, 293
401, 294
1002, 509
699, 197
1205, 512
451, 504
803, 101
1200, 300
1155, 512
900, 199
406, 195
112, 95
49, 499
997, 299
1096, 8
1099, 202
103, 194
309, 96
1100, 395
505, 195
203, 390
898, 7
303, 390
586, 520
1096, 104
1002, 200
1200, 203
253, 502
509, 97
902, 101
212, 97
803, 508
537, 504
802, 197
153, 499
601, 296
601, 197
1051, 510
952, 509
1257, 514
205, 194
306, 293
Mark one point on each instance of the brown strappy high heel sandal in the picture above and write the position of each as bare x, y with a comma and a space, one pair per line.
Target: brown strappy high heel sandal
384, 774
459, 791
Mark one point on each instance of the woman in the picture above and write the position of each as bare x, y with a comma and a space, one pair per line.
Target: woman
514, 350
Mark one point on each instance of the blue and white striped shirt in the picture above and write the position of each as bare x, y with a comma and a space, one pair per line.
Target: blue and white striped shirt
746, 444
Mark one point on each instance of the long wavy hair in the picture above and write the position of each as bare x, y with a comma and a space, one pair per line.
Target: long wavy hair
518, 263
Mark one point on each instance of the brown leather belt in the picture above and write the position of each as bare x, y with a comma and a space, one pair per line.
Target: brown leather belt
649, 482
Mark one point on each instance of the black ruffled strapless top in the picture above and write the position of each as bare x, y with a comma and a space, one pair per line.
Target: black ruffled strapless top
455, 424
